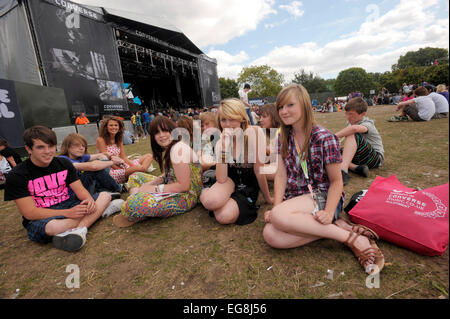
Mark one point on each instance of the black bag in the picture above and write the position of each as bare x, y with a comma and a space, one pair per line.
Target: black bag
356, 197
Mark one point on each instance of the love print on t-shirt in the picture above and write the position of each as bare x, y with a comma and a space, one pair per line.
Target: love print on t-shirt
49, 190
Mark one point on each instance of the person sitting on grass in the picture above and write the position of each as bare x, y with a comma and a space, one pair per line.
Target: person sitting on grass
309, 162
363, 147
440, 102
110, 141
39, 187
175, 192
92, 169
210, 131
232, 199
269, 120
5, 168
419, 109
10, 154
442, 90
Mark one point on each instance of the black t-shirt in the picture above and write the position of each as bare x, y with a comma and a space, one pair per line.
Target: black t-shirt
8, 151
47, 185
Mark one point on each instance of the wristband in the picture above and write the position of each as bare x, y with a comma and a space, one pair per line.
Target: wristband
161, 188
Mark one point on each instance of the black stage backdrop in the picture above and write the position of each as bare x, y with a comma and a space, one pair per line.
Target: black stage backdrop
79, 55
11, 123
209, 81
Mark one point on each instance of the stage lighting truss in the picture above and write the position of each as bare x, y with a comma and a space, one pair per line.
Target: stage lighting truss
138, 51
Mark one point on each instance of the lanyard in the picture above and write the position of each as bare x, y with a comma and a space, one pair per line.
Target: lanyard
304, 167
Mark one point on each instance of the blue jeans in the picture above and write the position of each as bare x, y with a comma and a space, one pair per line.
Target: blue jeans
145, 127
99, 181
36, 228
250, 117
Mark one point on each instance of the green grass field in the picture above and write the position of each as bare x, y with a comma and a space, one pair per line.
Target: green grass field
192, 256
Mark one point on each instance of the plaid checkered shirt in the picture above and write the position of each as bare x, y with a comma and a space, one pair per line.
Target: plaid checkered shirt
324, 149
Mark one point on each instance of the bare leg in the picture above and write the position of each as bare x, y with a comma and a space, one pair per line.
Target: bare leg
294, 218
101, 203
228, 213
57, 226
350, 148
145, 161
217, 196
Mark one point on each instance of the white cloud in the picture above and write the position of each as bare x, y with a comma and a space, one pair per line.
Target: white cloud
204, 22
376, 46
293, 8
228, 65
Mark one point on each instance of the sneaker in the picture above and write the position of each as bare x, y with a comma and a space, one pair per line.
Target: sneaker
70, 240
362, 170
123, 188
114, 195
345, 177
114, 207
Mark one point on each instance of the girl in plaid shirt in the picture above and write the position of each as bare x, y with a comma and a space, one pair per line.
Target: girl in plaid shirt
295, 220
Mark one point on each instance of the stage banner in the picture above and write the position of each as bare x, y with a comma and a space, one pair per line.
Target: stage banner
11, 122
209, 81
79, 55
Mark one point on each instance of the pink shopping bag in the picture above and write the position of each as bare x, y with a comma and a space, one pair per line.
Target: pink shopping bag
414, 219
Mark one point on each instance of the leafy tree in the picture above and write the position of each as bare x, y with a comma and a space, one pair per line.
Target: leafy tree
312, 83
422, 57
330, 84
264, 80
228, 88
353, 79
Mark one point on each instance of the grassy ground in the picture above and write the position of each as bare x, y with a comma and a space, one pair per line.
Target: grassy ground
191, 256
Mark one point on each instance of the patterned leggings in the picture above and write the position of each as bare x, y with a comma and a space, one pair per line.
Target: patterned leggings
142, 205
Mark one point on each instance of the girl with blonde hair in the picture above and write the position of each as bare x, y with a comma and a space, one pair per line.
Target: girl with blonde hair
232, 199
93, 169
308, 185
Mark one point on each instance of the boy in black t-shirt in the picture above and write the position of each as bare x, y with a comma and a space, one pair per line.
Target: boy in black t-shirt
39, 188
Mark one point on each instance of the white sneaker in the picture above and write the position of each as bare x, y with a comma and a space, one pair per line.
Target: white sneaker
114, 207
70, 240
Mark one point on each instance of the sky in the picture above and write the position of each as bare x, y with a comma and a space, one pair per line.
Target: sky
319, 36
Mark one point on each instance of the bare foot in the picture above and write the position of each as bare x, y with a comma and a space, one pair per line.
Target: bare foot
362, 243
342, 224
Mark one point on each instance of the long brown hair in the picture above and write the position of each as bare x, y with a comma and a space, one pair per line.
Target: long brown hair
271, 110
161, 155
307, 117
103, 131
187, 123
71, 139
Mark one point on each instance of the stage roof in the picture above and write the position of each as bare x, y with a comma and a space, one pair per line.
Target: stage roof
156, 26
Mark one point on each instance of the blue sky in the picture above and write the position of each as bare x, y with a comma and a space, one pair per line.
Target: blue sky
321, 36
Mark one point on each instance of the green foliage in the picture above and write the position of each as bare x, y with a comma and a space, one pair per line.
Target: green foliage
353, 79
264, 80
422, 57
228, 88
312, 83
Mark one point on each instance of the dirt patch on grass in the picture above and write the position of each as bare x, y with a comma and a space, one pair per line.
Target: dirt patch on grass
191, 256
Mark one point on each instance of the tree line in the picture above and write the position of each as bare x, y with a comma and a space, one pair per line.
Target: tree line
426, 64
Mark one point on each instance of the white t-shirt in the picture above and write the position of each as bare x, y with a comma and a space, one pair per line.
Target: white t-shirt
440, 102
425, 106
243, 96
256, 117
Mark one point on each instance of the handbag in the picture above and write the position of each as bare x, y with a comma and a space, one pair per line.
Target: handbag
414, 219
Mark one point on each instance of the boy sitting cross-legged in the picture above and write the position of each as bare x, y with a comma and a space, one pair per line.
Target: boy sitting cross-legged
363, 147
39, 187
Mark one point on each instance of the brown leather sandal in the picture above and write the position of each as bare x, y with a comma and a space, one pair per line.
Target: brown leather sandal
360, 229
364, 255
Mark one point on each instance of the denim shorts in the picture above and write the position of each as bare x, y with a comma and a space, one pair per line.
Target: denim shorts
36, 228
338, 209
